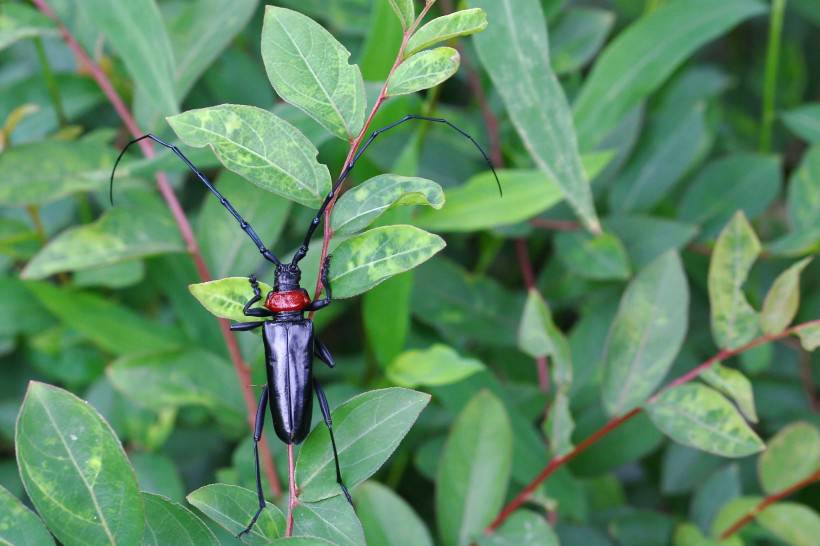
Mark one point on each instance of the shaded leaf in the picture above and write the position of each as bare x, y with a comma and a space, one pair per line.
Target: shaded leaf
423, 70
233, 507
168, 522
538, 336
19, 22
75, 470
19, 526
804, 121
309, 68
733, 384
405, 11
386, 316
523, 528
332, 519
302, 541
447, 27
259, 146
578, 35
596, 257
810, 337
700, 417
803, 194
647, 237
783, 299
718, 489
156, 473
438, 365
226, 298
387, 519
791, 456
559, 424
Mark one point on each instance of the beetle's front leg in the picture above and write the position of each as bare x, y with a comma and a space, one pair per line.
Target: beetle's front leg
324, 302
257, 295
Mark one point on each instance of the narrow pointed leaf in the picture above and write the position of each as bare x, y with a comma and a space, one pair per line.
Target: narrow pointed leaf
791, 522
595, 257
19, 21
559, 424
438, 365
232, 507
423, 71
387, 519
538, 336
309, 68
790, 457
75, 470
578, 35
783, 299
19, 526
332, 519
447, 27
735, 385
700, 417
225, 298
168, 522
646, 335
405, 11
259, 146
804, 121
523, 528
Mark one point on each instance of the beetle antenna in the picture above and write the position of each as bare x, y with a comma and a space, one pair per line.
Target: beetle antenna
302, 250
246, 227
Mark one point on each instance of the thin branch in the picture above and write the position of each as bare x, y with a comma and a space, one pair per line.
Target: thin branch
164, 186
616, 422
765, 503
525, 265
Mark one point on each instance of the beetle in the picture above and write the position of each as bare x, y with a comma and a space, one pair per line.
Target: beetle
289, 338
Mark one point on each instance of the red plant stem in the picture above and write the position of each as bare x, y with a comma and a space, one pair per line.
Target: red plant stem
556, 225
616, 422
293, 500
184, 227
524, 263
771, 499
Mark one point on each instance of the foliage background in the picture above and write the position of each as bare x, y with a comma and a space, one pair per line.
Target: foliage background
686, 112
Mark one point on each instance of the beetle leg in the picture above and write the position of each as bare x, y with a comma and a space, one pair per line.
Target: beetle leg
324, 302
320, 394
322, 352
243, 326
257, 435
257, 295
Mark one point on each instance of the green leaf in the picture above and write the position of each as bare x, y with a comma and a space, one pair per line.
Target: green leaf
368, 428
332, 519
168, 522
804, 121
309, 68
19, 526
75, 470
627, 71
533, 96
735, 385
259, 146
124, 233
719, 488
731, 512
423, 70
129, 27
405, 11
382, 40
19, 21
473, 471
810, 337
596, 257
794, 523
360, 206
559, 424
641, 527
41, 172
578, 35
538, 336
647, 237
363, 261
753, 184
386, 316
226, 298
523, 528
233, 507
387, 519
646, 335
156, 473
783, 299
791, 456
734, 321
803, 193
302, 541
688, 534
438, 365
447, 27
700, 417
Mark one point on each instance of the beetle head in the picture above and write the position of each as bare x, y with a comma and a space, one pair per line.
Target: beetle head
287, 277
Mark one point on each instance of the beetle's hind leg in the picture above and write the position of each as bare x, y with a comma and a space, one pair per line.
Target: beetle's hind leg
257, 435
320, 394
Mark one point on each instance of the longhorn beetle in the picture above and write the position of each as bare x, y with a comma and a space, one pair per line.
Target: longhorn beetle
290, 342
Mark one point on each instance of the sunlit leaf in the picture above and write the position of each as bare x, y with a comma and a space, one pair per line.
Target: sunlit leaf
783, 299
438, 365
795, 524
735, 385
233, 507
405, 11
447, 27
804, 121
226, 298
168, 522
332, 519
424, 70
810, 336
559, 424
803, 195
538, 336
791, 456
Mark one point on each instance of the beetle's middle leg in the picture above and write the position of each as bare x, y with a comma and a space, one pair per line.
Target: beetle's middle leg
320, 394
257, 435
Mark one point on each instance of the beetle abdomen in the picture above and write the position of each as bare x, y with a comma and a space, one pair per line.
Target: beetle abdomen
289, 356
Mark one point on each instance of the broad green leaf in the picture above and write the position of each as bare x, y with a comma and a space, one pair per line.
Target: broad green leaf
538, 336
688, 534
447, 27
108, 325
646, 335
438, 365
386, 316
331, 519
735, 385
157, 474
387, 519
719, 488
368, 428
143, 229
359, 207
783, 299
523, 528
136, 31
803, 193
596, 257
628, 71
19, 526
731, 512
259, 146
578, 35
559, 425
182, 378
473, 471
810, 336
18, 313
647, 237
233, 507
641, 527
804, 121
533, 96
309, 68
168, 522
700, 417
794, 523
743, 181
41, 172
19, 21
734, 321
119, 275
405, 11
226, 298
75, 470
381, 42
363, 261
423, 70
791, 456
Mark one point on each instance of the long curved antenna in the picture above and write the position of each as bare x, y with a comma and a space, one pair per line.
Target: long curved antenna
246, 227
302, 250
